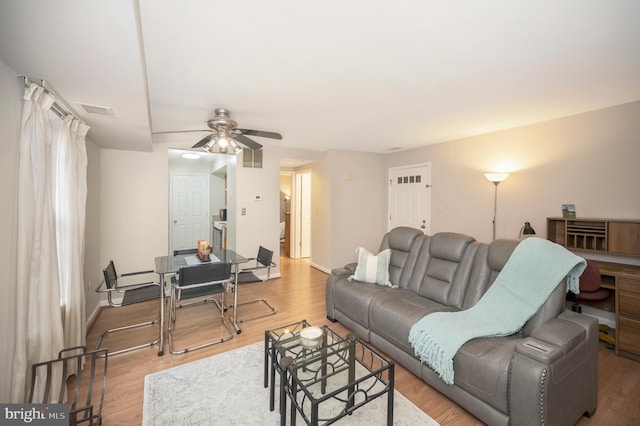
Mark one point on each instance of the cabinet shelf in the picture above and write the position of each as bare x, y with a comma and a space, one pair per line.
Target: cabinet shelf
596, 235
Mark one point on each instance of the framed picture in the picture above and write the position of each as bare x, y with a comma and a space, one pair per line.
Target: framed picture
569, 210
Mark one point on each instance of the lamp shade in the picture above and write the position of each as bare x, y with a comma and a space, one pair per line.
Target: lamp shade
496, 177
527, 229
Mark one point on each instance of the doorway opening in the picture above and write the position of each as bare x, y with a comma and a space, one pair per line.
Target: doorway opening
295, 213
198, 200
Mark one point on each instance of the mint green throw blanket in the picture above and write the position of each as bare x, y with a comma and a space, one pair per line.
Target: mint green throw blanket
534, 270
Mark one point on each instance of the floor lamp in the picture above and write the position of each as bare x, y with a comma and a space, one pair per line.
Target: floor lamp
495, 178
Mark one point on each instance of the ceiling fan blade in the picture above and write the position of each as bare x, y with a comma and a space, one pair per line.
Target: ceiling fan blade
250, 143
203, 141
261, 133
180, 131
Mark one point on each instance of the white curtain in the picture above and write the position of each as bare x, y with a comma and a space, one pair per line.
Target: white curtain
70, 207
50, 302
39, 331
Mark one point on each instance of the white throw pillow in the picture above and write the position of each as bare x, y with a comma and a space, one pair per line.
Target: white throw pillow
372, 268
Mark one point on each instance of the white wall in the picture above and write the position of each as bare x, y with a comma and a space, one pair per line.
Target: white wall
260, 225
359, 200
12, 90
134, 196
349, 206
321, 217
92, 261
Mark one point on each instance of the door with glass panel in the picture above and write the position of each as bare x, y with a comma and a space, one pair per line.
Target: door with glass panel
410, 197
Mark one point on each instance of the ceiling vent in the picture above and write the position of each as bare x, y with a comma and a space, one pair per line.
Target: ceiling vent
99, 111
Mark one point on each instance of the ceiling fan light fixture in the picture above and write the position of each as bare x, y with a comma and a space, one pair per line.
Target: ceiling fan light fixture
226, 137
223, 139
234, 146
210, 146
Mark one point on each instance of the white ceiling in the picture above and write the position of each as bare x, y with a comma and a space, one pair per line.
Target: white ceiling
361, 75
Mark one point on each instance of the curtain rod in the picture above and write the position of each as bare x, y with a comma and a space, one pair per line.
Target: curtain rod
59, 107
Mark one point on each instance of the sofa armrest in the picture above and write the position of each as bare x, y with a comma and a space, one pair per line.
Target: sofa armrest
554, 372
337, 277
351, 267
346, 270
542, 352
341, 272
551, 340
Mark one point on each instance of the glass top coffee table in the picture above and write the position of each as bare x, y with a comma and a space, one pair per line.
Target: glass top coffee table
285, 341
326, 382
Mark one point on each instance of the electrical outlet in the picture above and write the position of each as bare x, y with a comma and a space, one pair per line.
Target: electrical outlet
244, 211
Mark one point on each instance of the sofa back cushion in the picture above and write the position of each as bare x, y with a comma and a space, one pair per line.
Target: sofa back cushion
490, 259
443, 268
551, 309
404, 243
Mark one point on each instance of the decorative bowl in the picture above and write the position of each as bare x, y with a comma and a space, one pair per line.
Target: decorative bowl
310, 337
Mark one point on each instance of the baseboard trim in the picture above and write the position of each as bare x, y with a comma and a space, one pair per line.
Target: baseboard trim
320, 268
95, 314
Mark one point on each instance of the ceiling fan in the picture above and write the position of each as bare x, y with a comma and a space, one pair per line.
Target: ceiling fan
225, 135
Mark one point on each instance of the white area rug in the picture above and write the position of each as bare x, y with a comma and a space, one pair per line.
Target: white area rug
227, 389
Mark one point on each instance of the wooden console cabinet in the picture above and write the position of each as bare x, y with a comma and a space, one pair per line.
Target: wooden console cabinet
618, 237
626, 283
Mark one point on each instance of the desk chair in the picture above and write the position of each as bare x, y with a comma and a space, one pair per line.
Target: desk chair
131, 294
246, 275
49, 383
198, 282
590, 289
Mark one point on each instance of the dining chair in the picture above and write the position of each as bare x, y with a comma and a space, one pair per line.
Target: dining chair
263, 261
119, 295
199, 282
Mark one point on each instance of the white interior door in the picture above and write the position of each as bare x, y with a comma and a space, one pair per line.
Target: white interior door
190, 220
410, 197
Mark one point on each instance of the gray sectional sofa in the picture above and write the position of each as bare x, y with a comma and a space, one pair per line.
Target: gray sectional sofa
546, 374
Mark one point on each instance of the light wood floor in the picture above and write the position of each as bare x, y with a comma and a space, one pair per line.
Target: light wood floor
300, 294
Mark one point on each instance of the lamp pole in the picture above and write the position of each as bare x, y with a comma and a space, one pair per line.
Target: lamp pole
495, 208
495, 178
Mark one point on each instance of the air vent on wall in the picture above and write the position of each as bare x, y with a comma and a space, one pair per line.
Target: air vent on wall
252, 158
100, 111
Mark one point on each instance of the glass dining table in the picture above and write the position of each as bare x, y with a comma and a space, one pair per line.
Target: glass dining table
166, 266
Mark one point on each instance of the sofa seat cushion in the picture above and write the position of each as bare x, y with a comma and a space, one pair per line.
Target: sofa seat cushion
482, 368
352, 298
392, 314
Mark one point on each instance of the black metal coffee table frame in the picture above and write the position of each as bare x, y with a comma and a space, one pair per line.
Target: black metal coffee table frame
357, 374
284, 341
